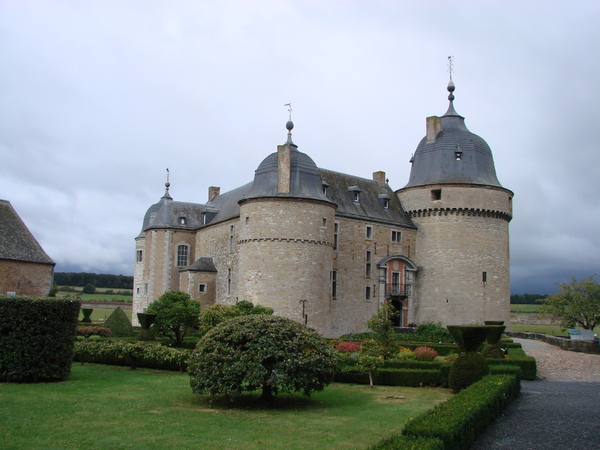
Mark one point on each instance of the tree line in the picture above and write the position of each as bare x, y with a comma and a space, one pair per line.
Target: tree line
101, 280
526, 299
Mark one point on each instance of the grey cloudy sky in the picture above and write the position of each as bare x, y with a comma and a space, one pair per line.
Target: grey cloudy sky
98, 98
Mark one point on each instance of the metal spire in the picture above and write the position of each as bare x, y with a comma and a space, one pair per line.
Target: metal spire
289, 125
167, 186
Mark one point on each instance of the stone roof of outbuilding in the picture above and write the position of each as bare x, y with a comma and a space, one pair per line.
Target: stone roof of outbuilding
203, 264
436, 162
16, 241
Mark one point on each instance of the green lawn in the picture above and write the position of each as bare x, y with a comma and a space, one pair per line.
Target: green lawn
552, 330
113, 407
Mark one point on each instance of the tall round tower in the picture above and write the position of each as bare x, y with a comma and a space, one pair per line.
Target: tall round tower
286, 239
462, 214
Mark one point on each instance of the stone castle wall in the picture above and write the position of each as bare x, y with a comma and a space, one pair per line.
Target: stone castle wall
463, 252
351, 308
286, 254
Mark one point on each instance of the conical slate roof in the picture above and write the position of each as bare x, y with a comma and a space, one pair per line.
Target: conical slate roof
455, 155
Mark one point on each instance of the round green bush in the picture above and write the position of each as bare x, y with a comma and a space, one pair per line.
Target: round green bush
466, 370
275, 354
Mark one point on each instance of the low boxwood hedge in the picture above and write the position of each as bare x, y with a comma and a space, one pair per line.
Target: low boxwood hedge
151, 355
400, 442
459, 421
517, 357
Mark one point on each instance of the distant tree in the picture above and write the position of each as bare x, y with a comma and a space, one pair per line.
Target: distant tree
53, 291
526, 299
383, 329
576, 303
271, 353
175, 311
89, 289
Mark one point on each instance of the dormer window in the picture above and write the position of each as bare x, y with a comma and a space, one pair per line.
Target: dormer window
385, 200
458, 155
182, 220
355, 192
325, 186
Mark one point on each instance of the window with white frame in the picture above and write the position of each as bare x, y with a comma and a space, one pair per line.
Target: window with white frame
396, 236
139, 255
369, 232
182, 255
368, 293
202, 288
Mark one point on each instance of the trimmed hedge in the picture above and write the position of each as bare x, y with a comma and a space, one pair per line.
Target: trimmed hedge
517, 357
36, 338
151, 355
119, 325
459, 421
400, 442
403, 373
506, 369
442, 349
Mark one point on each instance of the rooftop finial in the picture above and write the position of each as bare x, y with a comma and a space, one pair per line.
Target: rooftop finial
289, 125
167, 186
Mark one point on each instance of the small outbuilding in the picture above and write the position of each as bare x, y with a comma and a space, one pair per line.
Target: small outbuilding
25, 268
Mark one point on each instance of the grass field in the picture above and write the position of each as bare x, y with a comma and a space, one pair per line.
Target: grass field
112, 407
524, 308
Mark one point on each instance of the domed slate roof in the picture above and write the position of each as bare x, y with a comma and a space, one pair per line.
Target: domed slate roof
305, 179
455, 155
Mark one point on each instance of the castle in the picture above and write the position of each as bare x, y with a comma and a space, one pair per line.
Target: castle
326, 248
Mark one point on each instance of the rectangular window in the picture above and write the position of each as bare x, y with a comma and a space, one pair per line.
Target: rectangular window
145, 288
369, 232
137, 291
368, 293
386, 203
396, 236
356, 196
202, 288
182, 255
436, 194
484, 277
138, 255
228, 282
334, 283
324, 222
231, 235
336, 230
368, 264
247, 220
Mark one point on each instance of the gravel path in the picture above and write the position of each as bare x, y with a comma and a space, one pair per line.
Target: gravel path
560, 412
556, 364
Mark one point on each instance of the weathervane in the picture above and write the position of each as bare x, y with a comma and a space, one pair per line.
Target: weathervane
450, 65
289, 105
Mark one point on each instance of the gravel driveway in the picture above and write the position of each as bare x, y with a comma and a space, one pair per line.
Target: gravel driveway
559, 412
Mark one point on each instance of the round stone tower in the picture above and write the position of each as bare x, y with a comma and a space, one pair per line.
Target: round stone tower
286, 239
462, 214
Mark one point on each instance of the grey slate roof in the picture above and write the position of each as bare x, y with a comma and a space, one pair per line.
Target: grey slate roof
305, 179
341, 188
436, 162
16, 241
203, 264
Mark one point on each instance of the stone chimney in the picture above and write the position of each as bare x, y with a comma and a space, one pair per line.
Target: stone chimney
380, 178
434, 126
284, 167
213, 191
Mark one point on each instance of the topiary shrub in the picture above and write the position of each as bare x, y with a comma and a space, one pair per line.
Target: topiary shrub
87, 313
466, 370
468, 337
36, 338
119, 325
271, 353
